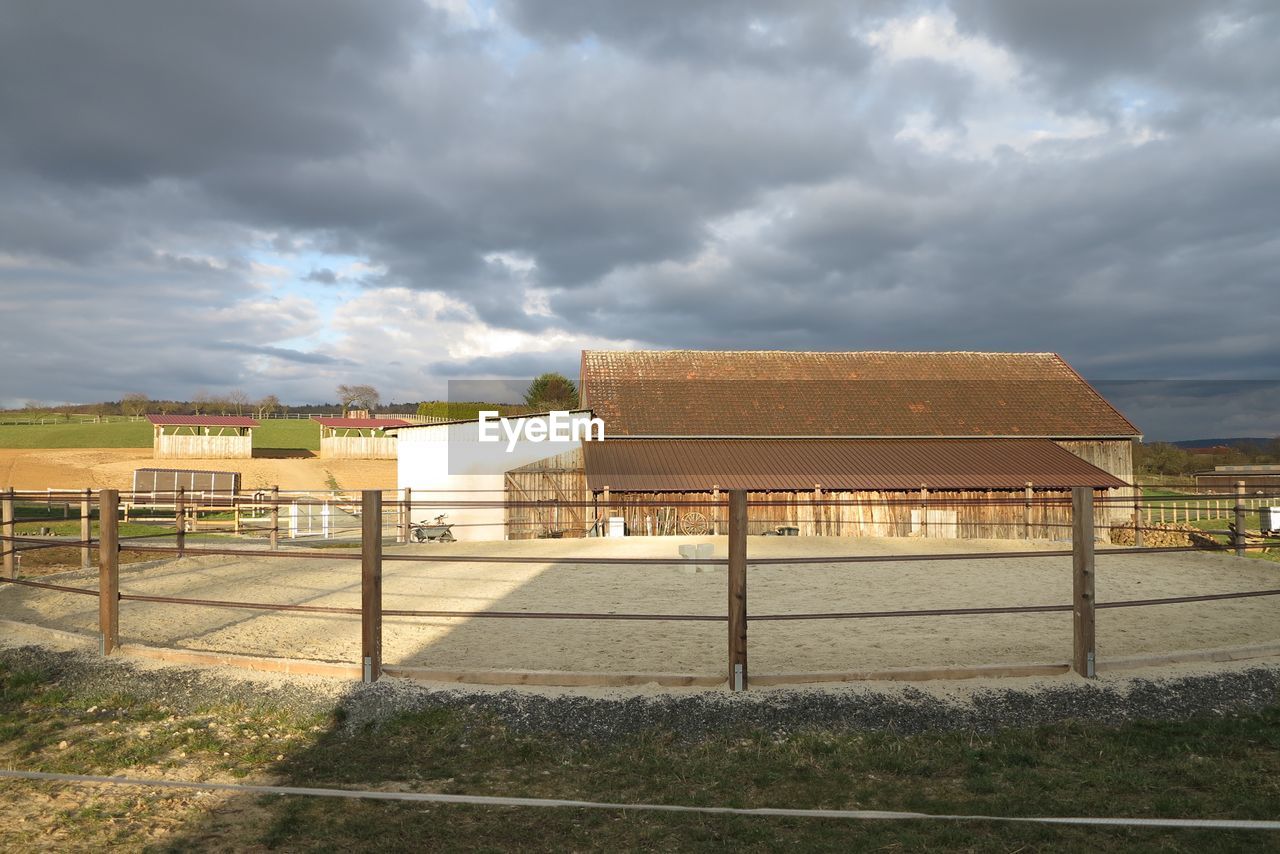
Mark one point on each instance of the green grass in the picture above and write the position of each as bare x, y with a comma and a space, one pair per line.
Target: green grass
1227, 766
272, 434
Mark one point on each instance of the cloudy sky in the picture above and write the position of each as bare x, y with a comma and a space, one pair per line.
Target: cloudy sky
282, 196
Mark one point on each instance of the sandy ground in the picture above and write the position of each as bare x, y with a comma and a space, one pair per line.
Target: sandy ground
681, 647
107, 468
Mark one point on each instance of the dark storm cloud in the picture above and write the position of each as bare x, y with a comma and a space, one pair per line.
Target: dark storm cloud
176, 180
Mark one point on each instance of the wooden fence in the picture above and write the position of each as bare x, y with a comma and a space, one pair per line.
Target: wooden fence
175, 446
358, 447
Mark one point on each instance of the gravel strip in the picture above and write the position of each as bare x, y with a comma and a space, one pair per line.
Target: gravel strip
691, 714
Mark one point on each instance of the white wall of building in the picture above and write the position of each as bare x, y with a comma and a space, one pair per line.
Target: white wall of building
448, 465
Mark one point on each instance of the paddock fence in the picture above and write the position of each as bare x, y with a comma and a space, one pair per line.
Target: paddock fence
373, 520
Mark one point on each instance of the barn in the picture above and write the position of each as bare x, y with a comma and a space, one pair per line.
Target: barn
358, 438
202, 437
1256, 478
952, 444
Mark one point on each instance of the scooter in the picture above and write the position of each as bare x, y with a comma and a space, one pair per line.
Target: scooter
433, 532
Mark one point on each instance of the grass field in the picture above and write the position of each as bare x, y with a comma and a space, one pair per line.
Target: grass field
1221, 767
272, 434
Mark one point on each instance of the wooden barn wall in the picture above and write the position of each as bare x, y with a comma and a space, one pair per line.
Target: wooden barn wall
1114, 456
171, 446
358, 447
995, 514
549, 498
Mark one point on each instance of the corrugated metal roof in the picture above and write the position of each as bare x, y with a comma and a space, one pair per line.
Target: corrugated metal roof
852, 394
360, 423
695, 465
202, 420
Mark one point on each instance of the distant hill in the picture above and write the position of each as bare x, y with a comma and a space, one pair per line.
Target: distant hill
1238, 442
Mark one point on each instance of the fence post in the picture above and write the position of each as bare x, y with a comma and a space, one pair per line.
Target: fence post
180, 516
108, 571
1239, 538
1082, 562
737, 589
86, 529
10, 530
406, 514
275, 518
1138, 522
371, 583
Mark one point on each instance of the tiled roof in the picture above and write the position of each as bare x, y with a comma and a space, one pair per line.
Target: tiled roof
696, 465
783, 393
202, 420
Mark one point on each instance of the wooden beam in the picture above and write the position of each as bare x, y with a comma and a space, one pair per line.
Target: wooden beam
108, 571
180, 516
86, 529
1029, 493
275, 518
737, 590
1240, 512
371, 584
1082, 563
10, 529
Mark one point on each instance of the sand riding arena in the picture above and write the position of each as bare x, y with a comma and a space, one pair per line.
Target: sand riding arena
619, 611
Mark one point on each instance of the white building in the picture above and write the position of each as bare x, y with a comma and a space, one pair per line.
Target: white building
460, 466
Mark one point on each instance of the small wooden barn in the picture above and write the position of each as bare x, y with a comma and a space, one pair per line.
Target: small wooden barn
202, 437
845, 444
358, 438
1256, 478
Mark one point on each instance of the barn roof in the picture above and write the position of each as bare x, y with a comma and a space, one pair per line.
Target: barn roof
360, 423
852, 394
202, 421
696, 465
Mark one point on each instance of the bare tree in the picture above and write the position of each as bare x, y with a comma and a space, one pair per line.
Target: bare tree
201, 402
237, 400
268, 406
358, 397
134, 403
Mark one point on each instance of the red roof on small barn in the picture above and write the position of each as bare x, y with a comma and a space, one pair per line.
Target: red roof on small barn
696, 393
202, 421
360, 423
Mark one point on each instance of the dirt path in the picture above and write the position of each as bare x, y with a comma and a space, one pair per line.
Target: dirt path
682, 647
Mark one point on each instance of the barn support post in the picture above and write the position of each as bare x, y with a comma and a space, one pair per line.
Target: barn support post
86, 529
604, 519
108, 571
1026, 511
371, 584
1083, 659
738, 590
715, 510
1240, 511
10, 530
819, 513
275, 518
180, 516
924, 511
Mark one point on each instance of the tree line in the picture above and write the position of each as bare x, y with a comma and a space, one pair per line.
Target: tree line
546, 392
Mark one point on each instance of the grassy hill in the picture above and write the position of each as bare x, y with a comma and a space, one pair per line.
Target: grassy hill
273, 434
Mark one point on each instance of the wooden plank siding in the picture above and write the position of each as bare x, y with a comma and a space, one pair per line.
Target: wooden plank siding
1114, 456
357, 447
548, 497
172, 446
991, 514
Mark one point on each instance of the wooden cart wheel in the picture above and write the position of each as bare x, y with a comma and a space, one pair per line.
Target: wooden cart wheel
694, 523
